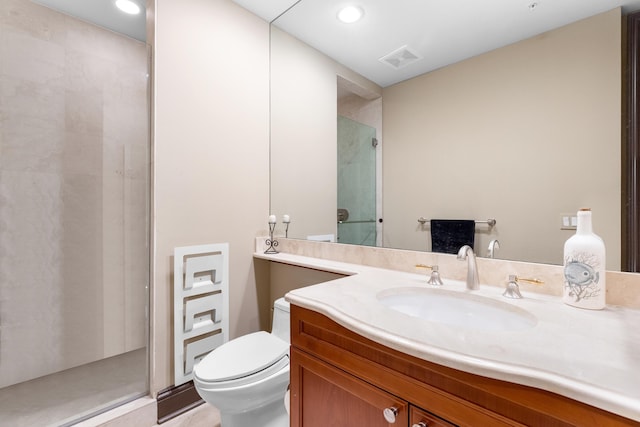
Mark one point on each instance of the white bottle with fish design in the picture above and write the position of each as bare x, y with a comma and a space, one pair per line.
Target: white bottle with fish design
584, 266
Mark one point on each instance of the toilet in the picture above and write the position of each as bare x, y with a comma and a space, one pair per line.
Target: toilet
247, 377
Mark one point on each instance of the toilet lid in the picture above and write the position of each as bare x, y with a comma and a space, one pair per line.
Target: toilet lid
244, 356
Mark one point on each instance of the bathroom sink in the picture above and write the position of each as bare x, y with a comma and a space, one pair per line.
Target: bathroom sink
457, 308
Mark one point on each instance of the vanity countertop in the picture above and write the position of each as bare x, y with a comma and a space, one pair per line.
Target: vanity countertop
590, 356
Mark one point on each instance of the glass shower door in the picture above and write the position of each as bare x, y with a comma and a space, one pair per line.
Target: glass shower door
356, 182
74, 217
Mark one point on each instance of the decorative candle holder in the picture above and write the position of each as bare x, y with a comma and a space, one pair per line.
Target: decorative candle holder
271, 242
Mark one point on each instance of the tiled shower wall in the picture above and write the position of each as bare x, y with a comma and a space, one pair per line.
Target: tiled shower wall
74, 183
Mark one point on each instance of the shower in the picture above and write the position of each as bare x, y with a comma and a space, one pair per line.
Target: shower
74, 216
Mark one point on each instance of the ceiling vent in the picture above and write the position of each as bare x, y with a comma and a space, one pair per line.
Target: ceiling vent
401, 57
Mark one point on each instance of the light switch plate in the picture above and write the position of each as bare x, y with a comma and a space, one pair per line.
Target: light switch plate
568, 221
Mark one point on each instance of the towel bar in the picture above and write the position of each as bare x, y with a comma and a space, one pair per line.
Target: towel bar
490, 221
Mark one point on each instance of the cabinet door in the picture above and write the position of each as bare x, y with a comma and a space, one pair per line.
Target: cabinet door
324, 396
420, 418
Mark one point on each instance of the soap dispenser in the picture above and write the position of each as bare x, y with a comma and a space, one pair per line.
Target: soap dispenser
584, 266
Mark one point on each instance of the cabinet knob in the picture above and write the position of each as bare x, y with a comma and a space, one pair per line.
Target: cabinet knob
420, 424
390, 414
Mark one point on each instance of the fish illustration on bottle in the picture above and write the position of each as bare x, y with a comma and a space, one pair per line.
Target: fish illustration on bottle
580, 274
581, 277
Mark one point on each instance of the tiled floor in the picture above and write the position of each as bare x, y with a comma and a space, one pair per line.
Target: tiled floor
202, 416
143, 412
66, 396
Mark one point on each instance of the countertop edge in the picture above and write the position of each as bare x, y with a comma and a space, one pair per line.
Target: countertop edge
607, 400
587, 393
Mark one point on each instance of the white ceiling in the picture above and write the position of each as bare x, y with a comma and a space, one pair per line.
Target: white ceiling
102, 13
441, 31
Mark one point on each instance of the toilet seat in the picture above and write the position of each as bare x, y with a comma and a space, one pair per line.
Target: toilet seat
246, 359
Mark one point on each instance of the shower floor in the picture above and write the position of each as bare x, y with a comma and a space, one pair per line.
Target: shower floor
64, 397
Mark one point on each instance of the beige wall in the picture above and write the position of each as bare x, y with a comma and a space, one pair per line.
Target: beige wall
278, 279
303, 134
211, 152
521, 134
201, 149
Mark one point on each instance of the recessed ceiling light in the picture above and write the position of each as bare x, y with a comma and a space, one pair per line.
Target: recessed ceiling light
350, 14
128, 6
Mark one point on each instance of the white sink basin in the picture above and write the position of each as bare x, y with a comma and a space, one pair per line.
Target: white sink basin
458, 309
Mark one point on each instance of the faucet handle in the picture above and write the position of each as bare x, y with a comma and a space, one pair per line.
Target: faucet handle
434, 279
513, 289
534, 281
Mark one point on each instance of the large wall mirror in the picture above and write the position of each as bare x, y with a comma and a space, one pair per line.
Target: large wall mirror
524, 130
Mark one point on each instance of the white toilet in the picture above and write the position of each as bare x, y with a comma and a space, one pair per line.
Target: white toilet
247, 377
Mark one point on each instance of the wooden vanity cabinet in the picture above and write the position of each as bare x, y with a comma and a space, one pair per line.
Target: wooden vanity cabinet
422, 418
341, 379
331, 397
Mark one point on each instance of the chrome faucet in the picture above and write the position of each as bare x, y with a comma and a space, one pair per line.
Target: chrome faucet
473, 282
491, 250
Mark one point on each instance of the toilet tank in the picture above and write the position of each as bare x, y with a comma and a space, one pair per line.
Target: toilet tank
280, 326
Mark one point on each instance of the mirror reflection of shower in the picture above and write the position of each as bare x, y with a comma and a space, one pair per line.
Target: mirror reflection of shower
359, 153
356, 182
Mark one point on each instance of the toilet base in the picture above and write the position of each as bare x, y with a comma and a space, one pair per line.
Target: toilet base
272, 415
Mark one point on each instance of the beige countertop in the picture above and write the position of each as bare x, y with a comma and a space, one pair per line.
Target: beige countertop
590, 356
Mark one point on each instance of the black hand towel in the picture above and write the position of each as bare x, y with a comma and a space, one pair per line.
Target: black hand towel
449, 235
